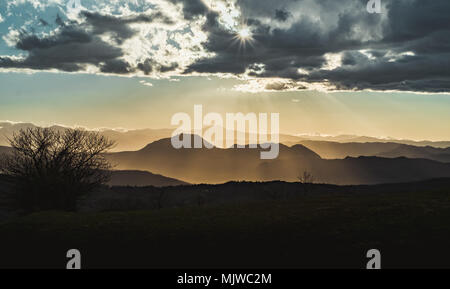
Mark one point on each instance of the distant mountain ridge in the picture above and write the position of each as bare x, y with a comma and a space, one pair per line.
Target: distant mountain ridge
366, 139
125, 140
222, 165
131, 140
336, 150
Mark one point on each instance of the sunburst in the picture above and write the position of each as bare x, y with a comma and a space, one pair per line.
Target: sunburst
244, 36
245, 33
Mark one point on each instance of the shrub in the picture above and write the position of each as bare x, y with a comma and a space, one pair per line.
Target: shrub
51, 168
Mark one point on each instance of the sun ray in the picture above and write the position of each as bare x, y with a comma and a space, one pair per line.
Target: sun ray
244, 33
243, 36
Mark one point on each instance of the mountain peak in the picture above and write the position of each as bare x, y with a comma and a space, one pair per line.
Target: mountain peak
298, 148
167, 142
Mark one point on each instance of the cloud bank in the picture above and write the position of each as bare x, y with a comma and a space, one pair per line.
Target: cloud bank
287, 44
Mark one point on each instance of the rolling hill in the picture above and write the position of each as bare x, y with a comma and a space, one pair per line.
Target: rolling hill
222, 165
336, 150
141, 179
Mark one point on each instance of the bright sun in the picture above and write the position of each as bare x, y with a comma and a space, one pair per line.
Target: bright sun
245, 33
243, 37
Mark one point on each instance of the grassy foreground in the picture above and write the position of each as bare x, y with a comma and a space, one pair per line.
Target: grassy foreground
331, 230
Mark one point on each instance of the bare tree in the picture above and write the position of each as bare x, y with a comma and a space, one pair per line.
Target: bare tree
306, 178
51, 169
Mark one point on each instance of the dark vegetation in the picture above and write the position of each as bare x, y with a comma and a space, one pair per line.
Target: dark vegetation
239, 225
328, 226
51, 169
153, 198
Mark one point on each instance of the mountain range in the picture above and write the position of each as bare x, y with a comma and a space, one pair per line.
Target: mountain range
125, 140
130, 140
336, 150
221, 165
339, 162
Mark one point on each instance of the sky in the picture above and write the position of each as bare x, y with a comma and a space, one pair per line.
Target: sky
328, 67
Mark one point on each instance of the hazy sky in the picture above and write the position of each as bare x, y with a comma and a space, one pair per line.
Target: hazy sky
134, 63
110, 101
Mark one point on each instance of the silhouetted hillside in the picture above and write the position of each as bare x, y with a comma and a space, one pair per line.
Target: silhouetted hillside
141, 178
203, 165
222, 165
336, 150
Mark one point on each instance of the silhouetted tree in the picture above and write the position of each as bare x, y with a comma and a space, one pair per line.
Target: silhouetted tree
51, 169
306, 178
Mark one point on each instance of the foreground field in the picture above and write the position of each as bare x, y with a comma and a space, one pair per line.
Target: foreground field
327, 230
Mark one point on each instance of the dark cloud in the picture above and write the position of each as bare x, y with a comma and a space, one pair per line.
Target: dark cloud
409, 46
405, 48
69, 50
119, 26
354, 58
116, 66
150, 65
282, 15
192, 8
167, 68
146, 66
282, 51
76, 45
405, 73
